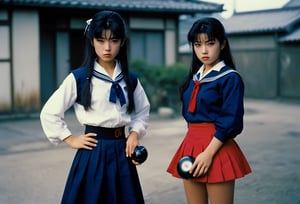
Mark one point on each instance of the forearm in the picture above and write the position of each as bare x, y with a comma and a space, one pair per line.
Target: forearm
204, 159
131, 143
69, 140
213, 147
85, 141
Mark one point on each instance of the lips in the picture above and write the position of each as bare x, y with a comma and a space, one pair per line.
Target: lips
107, 55
205, 58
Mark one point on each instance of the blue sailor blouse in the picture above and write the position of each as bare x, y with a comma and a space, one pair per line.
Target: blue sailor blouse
220, 101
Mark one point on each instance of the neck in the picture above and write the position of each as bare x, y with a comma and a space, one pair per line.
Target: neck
109, 67
206, 69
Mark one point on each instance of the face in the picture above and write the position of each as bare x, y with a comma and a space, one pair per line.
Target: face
208, 51
107, 47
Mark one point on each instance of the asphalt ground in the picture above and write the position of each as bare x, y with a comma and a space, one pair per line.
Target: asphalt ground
33, 171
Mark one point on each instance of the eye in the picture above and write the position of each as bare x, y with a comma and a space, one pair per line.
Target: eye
197, 44
100, 39
115, 40
211, 42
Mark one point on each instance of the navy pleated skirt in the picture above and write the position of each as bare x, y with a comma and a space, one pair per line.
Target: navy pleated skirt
103, 175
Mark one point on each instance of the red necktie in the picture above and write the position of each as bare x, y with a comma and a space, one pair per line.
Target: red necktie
193, 99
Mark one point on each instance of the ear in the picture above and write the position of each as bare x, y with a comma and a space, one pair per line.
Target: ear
92, 43
223, 44
123, 42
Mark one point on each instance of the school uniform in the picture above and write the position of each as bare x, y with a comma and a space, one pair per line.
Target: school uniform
218, 112
104, 174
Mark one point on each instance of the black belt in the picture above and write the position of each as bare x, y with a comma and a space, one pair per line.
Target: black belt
106, 133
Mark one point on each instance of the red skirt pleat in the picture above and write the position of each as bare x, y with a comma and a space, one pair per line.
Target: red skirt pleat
228, 164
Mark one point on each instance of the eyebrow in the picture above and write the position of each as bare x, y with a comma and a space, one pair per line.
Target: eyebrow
199, 41
109, 38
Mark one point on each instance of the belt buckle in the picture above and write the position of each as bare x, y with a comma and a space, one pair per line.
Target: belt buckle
118, 132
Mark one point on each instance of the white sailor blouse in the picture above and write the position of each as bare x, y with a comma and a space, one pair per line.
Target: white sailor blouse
102, 113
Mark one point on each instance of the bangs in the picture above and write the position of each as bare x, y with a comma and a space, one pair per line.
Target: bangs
201, 29
115, 29
209, 26
210, 37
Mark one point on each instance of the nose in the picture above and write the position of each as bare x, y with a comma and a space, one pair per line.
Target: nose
203, 49
107, 45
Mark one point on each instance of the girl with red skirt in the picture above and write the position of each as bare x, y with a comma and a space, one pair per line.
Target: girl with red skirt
213, 105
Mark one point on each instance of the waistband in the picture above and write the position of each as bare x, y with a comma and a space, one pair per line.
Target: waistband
195, 125
106, 133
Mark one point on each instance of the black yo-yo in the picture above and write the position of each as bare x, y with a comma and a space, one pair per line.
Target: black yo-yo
184, 165
140, 154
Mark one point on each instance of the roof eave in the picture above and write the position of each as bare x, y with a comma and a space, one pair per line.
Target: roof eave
83, 5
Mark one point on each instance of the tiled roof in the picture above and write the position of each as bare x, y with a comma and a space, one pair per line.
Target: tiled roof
174, 6
292, 37
275, 20
292, 3
185, 48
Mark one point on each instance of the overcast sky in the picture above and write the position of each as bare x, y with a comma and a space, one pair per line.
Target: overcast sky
248, 5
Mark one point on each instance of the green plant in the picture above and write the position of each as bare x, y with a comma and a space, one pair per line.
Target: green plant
161, 83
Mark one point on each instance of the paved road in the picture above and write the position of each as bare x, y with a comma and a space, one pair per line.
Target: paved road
33, 171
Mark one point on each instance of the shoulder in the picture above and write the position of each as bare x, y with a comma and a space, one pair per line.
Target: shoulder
230, 72
133, 78
232, 78
227, 69
225, 73
133, 75
80, 77
79, 72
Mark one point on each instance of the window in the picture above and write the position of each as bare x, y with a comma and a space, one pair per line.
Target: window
148, 46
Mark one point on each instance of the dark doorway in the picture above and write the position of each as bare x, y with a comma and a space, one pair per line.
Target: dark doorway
76, 48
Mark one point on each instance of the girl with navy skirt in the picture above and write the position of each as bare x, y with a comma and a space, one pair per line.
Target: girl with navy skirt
106, 97
212, 104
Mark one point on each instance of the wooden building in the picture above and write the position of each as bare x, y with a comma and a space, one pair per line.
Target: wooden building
42, 40
266, 48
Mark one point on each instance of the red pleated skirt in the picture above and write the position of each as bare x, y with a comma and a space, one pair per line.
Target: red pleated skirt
228, 164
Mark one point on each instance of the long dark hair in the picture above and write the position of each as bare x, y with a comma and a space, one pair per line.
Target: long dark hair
214, 30
106, 20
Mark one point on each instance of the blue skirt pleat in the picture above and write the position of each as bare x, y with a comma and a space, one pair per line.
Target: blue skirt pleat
103, 176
